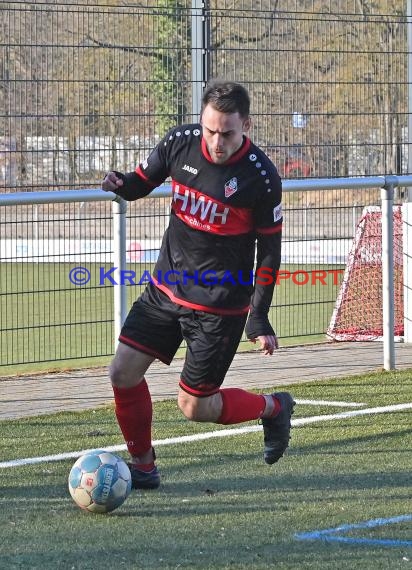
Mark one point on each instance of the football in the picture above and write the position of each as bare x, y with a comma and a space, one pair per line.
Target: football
99, 481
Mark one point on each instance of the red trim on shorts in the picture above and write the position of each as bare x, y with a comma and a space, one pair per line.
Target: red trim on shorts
137, 346
198, 393
272, 230
204, 308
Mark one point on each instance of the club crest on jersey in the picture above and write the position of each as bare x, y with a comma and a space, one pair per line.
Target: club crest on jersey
230, 187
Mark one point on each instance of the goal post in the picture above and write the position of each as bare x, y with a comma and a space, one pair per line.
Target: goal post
407, 269
357, 315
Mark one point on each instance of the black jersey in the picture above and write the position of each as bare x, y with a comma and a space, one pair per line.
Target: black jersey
218, 211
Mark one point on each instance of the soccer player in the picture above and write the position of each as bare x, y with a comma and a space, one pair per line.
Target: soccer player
225, 213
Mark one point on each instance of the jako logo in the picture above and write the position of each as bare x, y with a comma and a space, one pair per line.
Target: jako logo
190, 169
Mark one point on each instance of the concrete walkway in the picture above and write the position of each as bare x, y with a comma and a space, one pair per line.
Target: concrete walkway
88, 388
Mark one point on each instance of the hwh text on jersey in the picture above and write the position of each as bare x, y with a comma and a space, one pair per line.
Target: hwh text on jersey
203, 208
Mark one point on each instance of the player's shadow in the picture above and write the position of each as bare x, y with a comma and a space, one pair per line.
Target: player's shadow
351, 445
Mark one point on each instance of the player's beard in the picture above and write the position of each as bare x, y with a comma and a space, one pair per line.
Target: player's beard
220, 156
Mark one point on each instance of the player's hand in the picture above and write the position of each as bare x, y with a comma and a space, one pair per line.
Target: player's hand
268, 343
111, 182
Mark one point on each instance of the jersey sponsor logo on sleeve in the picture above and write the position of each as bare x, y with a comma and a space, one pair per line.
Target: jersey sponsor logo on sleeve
202, 212
230, 187
277, 213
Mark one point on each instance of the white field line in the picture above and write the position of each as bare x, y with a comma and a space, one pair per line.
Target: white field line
210, 435
330, 403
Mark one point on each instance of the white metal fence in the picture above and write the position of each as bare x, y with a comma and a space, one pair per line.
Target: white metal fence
72, 253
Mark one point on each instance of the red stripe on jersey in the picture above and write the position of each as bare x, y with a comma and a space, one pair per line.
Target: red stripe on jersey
271, 230
201, 212
196, 306
140, 173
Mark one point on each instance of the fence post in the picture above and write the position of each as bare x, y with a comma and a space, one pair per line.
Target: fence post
388, 305
119, 210
200, 53
409, 87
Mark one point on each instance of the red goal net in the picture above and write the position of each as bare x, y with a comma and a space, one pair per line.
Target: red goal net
358, 309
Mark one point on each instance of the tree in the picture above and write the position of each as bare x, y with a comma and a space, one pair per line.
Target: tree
170, 65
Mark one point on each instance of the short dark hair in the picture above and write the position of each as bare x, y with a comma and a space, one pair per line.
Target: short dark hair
227, 97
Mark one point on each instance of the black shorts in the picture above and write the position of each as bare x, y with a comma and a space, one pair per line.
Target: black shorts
157, 326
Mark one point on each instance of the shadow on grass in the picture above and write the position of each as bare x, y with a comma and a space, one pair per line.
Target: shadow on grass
208, 487
355, 445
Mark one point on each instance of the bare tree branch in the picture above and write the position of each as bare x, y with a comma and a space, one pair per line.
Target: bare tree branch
251, 39
131, 49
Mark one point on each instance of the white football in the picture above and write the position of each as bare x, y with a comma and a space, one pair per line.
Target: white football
100, 481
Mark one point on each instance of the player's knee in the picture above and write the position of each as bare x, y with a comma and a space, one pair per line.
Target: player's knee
190, 410
121, 376
198, 409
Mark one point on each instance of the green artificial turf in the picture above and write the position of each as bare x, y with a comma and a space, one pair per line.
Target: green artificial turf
220, 506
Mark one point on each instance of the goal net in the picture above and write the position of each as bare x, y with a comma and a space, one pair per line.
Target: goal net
358, 310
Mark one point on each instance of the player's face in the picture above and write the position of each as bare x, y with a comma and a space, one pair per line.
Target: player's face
223, 133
